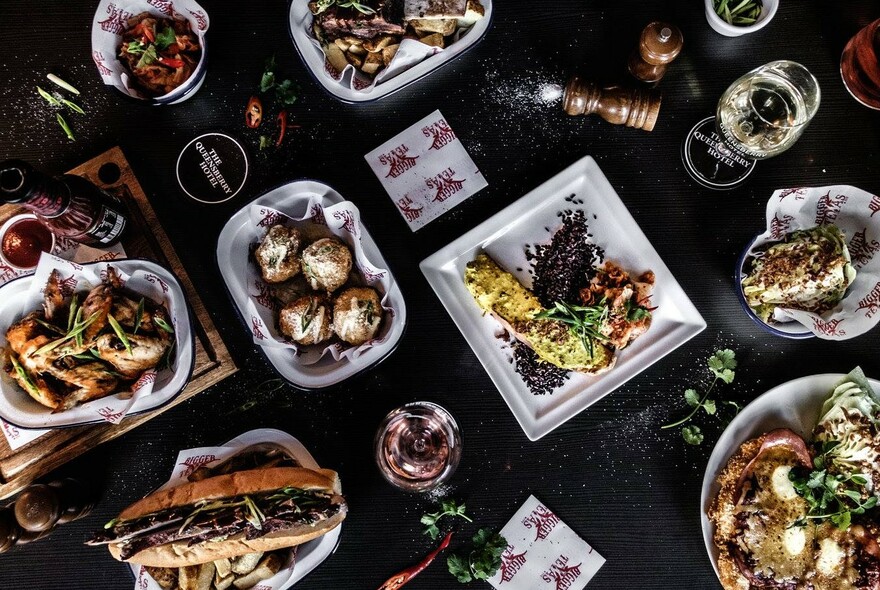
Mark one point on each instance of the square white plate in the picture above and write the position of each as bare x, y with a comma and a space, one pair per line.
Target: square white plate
504, 236
233, 247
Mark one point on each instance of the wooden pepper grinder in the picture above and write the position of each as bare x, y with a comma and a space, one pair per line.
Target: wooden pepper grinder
40, 507
659, 44
633, 107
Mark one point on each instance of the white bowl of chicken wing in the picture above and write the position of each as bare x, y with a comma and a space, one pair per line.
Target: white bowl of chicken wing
92, 343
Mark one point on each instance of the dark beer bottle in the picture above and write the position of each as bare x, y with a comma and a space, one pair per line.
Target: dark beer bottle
70, 206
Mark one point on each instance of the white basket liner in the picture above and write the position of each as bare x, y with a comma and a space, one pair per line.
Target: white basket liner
343, 222
855, 212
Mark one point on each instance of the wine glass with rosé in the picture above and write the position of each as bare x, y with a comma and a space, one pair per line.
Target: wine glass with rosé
418, 446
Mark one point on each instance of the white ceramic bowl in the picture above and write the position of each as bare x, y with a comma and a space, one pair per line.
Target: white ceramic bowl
7, 226
728, 30
17, 298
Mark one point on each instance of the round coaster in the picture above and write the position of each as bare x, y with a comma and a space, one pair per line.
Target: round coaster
212, 168
712, 163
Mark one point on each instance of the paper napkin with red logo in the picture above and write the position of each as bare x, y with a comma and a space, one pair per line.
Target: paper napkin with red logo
426, 170
857, 214
543, 553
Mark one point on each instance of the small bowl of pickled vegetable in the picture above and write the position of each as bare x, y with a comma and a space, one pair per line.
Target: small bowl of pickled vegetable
733, 18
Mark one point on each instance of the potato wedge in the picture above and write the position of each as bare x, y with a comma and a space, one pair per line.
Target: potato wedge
223, 583
166, 577
224, 567
373, 63
475, 11
336, 57
188, 577
268, 567
354, 60
246, 563
205, 578
389, 52
357, 50
444, 26
342, 44
434, 40
379, 43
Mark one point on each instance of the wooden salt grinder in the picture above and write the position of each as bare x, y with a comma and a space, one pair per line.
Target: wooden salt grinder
633, 107
659, 44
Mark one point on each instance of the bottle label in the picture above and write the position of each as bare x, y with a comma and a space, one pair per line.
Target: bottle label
110, 225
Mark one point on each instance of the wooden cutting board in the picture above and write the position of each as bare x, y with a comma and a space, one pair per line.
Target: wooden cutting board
145, 239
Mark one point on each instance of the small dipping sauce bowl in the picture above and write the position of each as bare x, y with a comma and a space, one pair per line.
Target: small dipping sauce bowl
23, 239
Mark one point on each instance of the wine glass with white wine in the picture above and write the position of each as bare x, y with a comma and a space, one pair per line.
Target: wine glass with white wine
759, 116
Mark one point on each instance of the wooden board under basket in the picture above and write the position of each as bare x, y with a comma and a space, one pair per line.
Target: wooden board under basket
145, 239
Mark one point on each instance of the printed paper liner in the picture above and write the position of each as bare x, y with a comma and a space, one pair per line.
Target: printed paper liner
111, 20
308, 555
152, 389
343, 222
853, 211
351, 82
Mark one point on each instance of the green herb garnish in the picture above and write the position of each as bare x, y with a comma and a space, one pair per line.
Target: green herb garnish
71, 312
324, 5
76, 331
831, 496
135, 47
120, 334
738, 12
165, 38
73, 106
138, 316
22, 374
309, 315
585, 322
49, 97
67, 131
482, 562
721, 364
148, 57
265, 142
285, 91
449, 508
163, 324
50, 327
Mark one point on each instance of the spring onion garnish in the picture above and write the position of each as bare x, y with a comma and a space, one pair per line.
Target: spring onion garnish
738, 12
163, 324
139, 316
22, 374
65, 127
56, 80
120, 334
49, 98
75, 332
73, 106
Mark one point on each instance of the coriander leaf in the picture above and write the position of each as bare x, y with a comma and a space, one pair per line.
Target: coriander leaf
136, 47
429, 519
726, 375
691, 397
727, 358
486, 557
459, 567
692, 435
165, 38
265, 142
432, 531
267, 81
149, 56
709, 406
286, 93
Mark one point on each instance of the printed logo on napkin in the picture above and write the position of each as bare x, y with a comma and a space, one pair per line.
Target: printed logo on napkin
426, 170
543, 553
855, 212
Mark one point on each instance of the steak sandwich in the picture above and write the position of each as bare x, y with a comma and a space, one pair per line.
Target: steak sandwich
226, 516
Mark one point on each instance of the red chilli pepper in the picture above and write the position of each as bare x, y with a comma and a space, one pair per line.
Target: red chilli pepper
282, 127
148, 33
171, 62
253, 114
398, 580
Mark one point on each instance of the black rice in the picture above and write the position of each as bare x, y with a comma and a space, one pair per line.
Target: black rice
567, 263
541, 378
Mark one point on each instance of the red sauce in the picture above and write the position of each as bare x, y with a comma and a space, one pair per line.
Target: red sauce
24, 241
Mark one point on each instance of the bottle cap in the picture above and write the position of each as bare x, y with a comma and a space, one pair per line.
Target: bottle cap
14, 185
212, 168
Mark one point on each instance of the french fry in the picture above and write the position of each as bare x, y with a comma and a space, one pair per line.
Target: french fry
188, 576
354, 60
336, 57
444, 26
342, 44
224, 567
357, 50
206, 576
378, 44
246, 563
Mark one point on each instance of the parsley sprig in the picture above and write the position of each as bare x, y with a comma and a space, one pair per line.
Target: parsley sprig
285, 91
721, 364
449, 508
482, 562
831, 496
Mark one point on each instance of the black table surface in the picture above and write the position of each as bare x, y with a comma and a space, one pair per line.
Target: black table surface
628, 488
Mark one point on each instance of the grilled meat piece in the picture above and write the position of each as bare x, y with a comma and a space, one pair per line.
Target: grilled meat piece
340, 22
